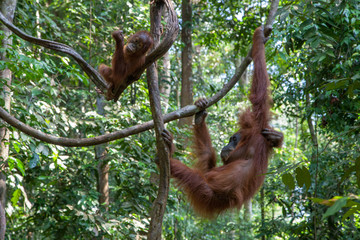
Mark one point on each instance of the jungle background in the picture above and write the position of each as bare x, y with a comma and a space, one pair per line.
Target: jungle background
311, 190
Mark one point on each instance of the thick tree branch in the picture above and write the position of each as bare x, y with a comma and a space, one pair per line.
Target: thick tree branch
159, 205
82, 142
181, 113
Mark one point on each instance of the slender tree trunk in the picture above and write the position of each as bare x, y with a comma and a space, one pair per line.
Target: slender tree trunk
100, 150
159, 205
103, 165
248, 214
262, 206
244, 80
164, 85
7, 7
296, 133
103, 171
314, 159
248, 211
186, 59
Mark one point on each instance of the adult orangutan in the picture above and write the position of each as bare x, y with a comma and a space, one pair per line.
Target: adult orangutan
126, 59
212, 190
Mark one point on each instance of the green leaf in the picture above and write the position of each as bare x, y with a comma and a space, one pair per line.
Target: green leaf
336, 207
36, 91
357, 170
16, 147
350, 212
305, 24
330, 53
283, 56
303, 177
307, 177
34, 161
288, 180
20, 166
356, 76
299, 177
337, 84
15, 197
317, 200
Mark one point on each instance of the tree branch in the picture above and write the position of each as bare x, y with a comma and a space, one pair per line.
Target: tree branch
181, 113
159, 205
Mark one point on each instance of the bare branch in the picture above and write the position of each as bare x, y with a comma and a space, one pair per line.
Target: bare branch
60, 47
181, 113
82, 142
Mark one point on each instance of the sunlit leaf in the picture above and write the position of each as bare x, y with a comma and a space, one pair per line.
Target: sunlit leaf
336, 207
288, 180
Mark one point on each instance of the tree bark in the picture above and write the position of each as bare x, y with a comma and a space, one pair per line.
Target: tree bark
248, 211
7, 7
262, 206
103, 165
244, 79
165, 86
165, 77
159, 205
314, 154
103, 172
186, 60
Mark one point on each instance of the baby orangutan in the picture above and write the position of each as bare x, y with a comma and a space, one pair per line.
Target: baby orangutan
126, 59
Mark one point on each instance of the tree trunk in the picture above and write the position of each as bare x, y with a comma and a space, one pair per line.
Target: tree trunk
103, 165
248, 211
159, 205
165, 86
103, 172
244, 79
262, 206
314, 158
186, 59
7, 7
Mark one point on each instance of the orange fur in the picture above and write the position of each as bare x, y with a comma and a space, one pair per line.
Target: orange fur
126, 59
212, 190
